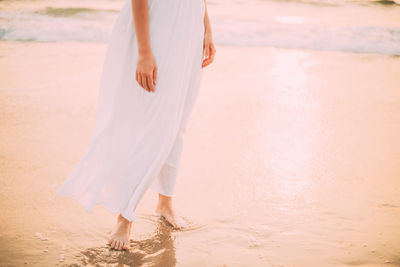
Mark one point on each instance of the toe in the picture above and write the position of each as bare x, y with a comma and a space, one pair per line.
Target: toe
178, 223
113, 243
119, 245
127, 244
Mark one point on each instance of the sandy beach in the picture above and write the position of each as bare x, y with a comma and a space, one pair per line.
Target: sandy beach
291, 158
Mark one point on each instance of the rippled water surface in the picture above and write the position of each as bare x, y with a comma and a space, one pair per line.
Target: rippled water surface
338, 25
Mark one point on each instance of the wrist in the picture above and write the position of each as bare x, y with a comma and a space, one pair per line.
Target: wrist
144, 52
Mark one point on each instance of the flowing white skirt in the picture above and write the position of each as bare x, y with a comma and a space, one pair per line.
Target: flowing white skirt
137, 141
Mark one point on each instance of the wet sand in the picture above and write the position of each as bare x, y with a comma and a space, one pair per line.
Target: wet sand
291, 158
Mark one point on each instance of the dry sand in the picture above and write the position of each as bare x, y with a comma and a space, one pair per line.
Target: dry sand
291, 158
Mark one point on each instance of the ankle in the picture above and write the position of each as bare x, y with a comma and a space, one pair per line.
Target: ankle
164, 206
164, 201
122, 219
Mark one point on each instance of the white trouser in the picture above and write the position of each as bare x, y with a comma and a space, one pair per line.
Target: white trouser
165, 181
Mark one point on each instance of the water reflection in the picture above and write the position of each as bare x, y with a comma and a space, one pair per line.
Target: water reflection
157, 250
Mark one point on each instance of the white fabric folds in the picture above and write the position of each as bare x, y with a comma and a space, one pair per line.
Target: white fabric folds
137, 141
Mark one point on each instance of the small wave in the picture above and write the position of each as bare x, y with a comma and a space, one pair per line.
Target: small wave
354, 39
70, 11
334, 3
316, 3
387, 2
295, 32
2, 33
311, 2
57, 25
156, 219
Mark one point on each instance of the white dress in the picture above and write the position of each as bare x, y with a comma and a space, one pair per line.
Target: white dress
137, 141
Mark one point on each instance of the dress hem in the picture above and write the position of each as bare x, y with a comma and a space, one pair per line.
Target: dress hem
104, 204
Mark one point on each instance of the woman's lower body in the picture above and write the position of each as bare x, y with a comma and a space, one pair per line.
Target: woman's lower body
137, 142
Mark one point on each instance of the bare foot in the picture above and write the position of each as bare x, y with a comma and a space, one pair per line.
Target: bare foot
169, 215
119, 239
164, 208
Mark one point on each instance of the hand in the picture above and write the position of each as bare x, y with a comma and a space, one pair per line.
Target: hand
146, 72
208, 50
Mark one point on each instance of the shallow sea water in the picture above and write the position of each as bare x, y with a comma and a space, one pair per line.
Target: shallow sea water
291, 161
363, 26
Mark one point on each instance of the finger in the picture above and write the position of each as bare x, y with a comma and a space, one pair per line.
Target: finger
207, 51
203, 64
150, 82
140, 79
210, 59
213, 51
155, 75
206, 62
144, 82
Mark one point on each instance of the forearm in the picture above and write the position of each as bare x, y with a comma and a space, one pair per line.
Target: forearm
207, 24
140, 15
